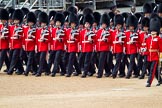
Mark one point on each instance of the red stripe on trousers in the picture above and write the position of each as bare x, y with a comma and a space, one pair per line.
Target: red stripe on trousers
153, 73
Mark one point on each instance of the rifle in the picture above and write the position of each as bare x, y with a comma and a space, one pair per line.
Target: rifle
16, 32
59, 34
89, 34
4, 31
104, 35
133, 38
30, 34
74, 33
120, 36
44, 33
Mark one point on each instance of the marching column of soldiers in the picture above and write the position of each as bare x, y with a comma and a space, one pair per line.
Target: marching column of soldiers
68, 43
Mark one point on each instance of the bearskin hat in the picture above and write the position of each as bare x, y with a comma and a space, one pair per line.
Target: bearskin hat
43, 17
81, 19
139, 17
132, 21
89, 18
87, 11
66, 15
37, 12
10, 11
118, 19
4, 15
155, 24
147, 8
73, 18
52, 15
59, 17
145, 22
105, 19
18, 15
72, 9
111, 15
31, 17
97, 17
125, 15
25, 11
159, 8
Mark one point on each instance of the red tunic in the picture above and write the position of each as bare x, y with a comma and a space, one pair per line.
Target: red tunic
154, 47
142, 43
72, 44
29, 42
4, 40
101, 44
42, 45
16, 38
57, 44
117, 45
86, 45
131, 47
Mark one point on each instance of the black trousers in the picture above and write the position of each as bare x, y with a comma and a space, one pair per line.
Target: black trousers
142, 64
87, 61
4, 58
31, 63
139, 62
58, 62
94, 62
72, 61
51, 59
132, 65
110, 62
15, 61
154, 71
23, 56
102, 62
118, 57
43, 63
65, 57
81, 59
124, 63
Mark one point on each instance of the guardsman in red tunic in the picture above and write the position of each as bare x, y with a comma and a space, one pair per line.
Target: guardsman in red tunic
72, 45
51, 26
4, 38
131, 45
117, 41
23, 55
57, 41
16, 35
124, 62
142, 56
65, 54
30, 42
154, 48
103, 44
95, 27
86, 39
43, 40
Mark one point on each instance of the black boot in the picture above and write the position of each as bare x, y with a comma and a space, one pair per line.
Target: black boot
84, 75
141, 77
26, 73
148, 85
38, 74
